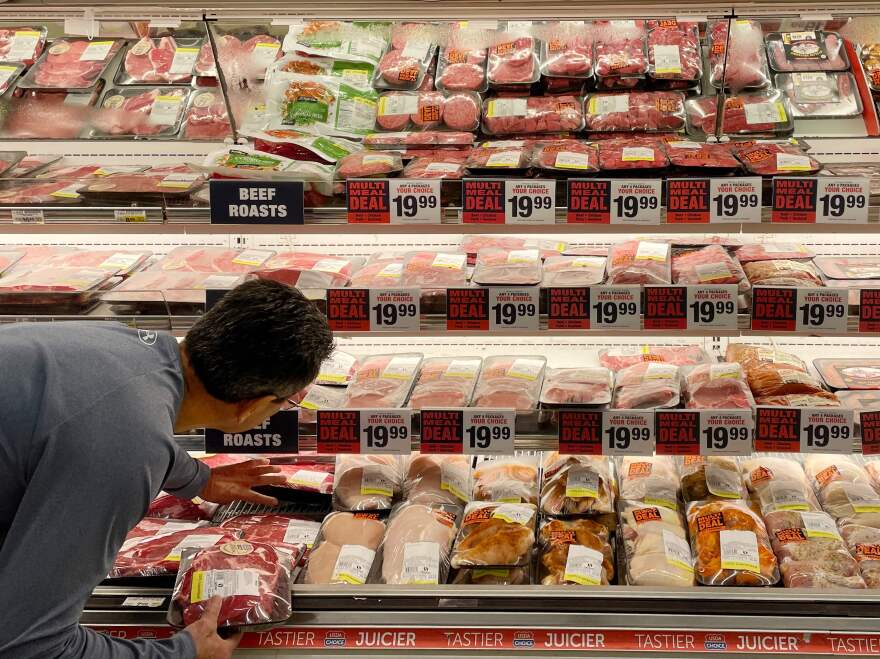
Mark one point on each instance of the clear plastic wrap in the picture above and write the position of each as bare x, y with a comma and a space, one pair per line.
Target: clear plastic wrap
639, 262
776, 160
307, 270
140, 112
779, 484
655, 545
577, 484
753, 356
445, 382
211, 259
745, 65
574, 552
495, 535
774, 380
462, 67
471, 244
71, 63
117, 262
366, 164
22, 43
160, 555
565, 271
708, 265
819, 95
439, 270
160, 60
514, 61
532, 115
568, 156
380, 271
367, 482
687, 355
308, 476
812, 50
720, 386
621, 48
345, 549
442, 166
782, 273
417, 544
760, 114
438, 479
864, 545
649, 480
852, 502
647, 385
772, 251
496, 265
510, 382
401, 111
690, 155
157, 287
405, 64
674, 51
635, 111
577, 386
383, 380
567, 50
289, 533
511, 479
823, 469
420, 139
849, 373
848, 267
712, 478
512, 576
207, 117
506, 157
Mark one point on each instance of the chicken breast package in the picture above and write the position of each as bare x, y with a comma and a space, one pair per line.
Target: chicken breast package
852, 503
445, 382
647, 385
649, 480
417, 544
779, 484
438, 479
574, 552
344, 550
495, 535
864, 545
656, 548
510, 382
577, 485
511, 479
577, 386
519, 267
367, 482
712, 478
639, 262
730, 545
383, 380
719, 386
709, 265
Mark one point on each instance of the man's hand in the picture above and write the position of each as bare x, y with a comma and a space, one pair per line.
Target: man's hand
209, 644
232, 482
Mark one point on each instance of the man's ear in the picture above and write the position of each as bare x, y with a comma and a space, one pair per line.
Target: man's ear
246, 409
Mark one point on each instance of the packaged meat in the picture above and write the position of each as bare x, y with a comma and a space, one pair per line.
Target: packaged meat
710, 265
782, 272
206, 117
513, 61
500, 266
438, 479
451, 167
811, 552
380, 271
731, 545
849, 373
160, 60
71, 63
168, 506
8, 259
306, 270
352, 72
159, 555
851, 503
617, 155
619, 358
870, 56
445, 382
507, 480
411, 141
760, 113
820, 95
649, 480
49, 115
405, 64
366, 482
368, 164
472, 244
776, 160
745, 65
647, 385
42, 193
382, 381
155, 289
434, 272
147, 187
848, 267
687, 155
495, 535
342, 41
772, 251
510, 382
119, 263
818, 399
29, 166
566, 156
532, 115
514, 576
140, 112
864, 545
494, 158
252, 578
401, 111
719, 386
814, 50
22, 44
639, 262
150, 527
779, 483
562, 271
576, 485
345, 549
775, 380
9, 75
621, 48
574, 552
295, 535
824, 469
244, 54
417, 544
713, 478
462, 67
656, 547
872, 466
636, 111
212, 259
859, 401
45, 286
674, 51
299, 146
567, 50
317, 477
319, 397
577, 386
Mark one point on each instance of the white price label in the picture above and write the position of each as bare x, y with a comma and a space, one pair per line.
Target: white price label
842, 200
636, 201
822, 310
514, 308
395, 309
615, 307
415, 201
421, 563
627, 432
735, 199
143, 602
130, 215
726, 432
712, 307
826, 430
529, 202
27, 216
489, 432
386, 432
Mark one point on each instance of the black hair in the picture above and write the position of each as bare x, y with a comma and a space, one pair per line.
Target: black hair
261, 338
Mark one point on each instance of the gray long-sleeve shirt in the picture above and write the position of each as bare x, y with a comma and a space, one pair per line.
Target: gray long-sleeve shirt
86, 442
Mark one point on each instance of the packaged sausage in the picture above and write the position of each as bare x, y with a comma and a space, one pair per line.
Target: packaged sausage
812, 50
772, 251
745, 65
383, 380
625, 154
401, 111
649, 480
566, 156
655, 542
712, 478
774, 380
782, 273
710, 265
445, 382
621, 49
507, 480
344, 550
532, 115
573, 271
760, 113
779, 483
574, 552
776, 160
721, 386
864, 545
674, 51
496, 265
639, 262
577, 386
730, 544
636, 111
366, 482
510, 382
417, 544
513, 59
849, 373
438, 479
647, 385
495, 535
686, 355
577, 484
567, 50
820, 95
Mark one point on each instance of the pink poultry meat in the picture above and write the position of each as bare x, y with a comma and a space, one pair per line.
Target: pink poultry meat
428, 270
438, 479
675, 355
339, 529
415, 523
367, 482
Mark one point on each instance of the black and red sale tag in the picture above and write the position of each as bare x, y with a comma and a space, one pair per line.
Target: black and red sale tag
368, 201
467, 309
794, 199
778, 429
869, 310
666, 308
442, 431
580, 432
687, 201
677, 432
774, 309
589, 201
568, 308
348, 309
339, 431
482, 201
870, 422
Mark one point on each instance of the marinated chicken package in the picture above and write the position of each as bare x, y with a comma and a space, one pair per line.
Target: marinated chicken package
400, 111
852, 502
849, 373
344, 550
159, 555
290, 533
772, 252
499, 266
776, 380
252, 578
367, 482
445, 382
779, 484
647, 385
810, 50
819, 95
757, 114
811, 552
577, 484
562, 271
619, 358
495, 535
577, 386
566, 156
513, 59
168, 506
721, 386
655, 544
417, 544
307, 270
649, 480
621, 49
764, 159
567, 50
710, 478
674, 51
709, 265
782, 273
438, 479
745, 65
629, 154
639, 262
512, 479
864, 545
494, 576
848, 267
730, 545
383, 381
636, 111
510, 382
574, 552
688, 155
532, 115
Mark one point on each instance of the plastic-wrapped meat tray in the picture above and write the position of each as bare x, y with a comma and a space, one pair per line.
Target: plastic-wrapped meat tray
71, 63
621, 49
52, 289
861, 373
746, 114
674, 51
820, 95
206, 117
244, 54
141, 112
40, 193
514, 62
156, 292
212, 259
688, 155
532, 115
402, 111
637, 111
566, 157
782, 272
22, 44
776, 160
462, 68
709, 265
49, 115
635, 262
159, 60
745, 66
636, 155
849, 267
806, 51
567, 52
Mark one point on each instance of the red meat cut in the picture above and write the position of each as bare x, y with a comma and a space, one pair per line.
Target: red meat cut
745, 65
637, 111
674, 51
811, 51
567, 155
8, 39
131, 115
620, 48
445, 382
400, 70
622, 154
462, 69
772, 159
462, 112
513, 62
700, 154
149, 61
368, 163
206, 259
270, 529
718, 386
168, 506
436, 167
709, 265
431, 109
307, 270
510, 382
639, 262
568, 54
207, 118
737, 118
675, 355
536, 114
63, 68
160, 555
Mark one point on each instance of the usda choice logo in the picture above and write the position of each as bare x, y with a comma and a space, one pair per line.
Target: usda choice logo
523, 640
334, 639
715, 642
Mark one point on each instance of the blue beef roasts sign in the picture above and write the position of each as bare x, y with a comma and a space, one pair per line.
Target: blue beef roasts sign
256, 202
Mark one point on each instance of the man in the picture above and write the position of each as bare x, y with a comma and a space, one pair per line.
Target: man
87, 417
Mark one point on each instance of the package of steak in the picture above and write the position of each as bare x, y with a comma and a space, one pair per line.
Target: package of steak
566, 50
763, 114
71, 63
632, 154
770, 159
22, 43
696, 157
621, 49
160, 554
159, 60
745, 65
513, 57
674, 51
140, 112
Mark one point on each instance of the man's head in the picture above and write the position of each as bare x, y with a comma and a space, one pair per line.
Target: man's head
259, 345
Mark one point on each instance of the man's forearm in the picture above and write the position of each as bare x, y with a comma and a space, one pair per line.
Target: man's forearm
89, 644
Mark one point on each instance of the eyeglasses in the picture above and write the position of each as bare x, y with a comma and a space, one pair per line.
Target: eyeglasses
288, 404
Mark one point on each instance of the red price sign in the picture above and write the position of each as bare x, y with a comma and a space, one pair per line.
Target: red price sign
774, 309
580, 432
339, 431
794, 200
678, 432
870, 422
589, 201
778, 429
869, 310
348, 309
568, 308
441, 431
368, 201
482, 201
467, 309
666, 307
687, 201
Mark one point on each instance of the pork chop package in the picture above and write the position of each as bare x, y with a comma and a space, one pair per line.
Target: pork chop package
511, 479
710, 265
810, 50
573, 271
495, 535
720, 386
513, 59
445, 382
434, 272
639, 262
381, 270
532, 115
160, 60
627, 154
697, 157
71, 63
368, 164
160, 555
687, 355
849, 373
382, 381
449, 166
730, 544
566, 157
864, 545
212, 259
121, 263
417, 545
344, 550
778, 483
153, 289
621, 49
674, 51
655, 543
649, 480
407, 60
765, 159
438, 479
810, 551
510, 382
760, 113
577, 485
399, 111
713, 478
635, 111
461, 66
745, 65
782, 272
140, 112
207, 117
290, 533
367, 482
820, 95
252, 578
22, 44
647, 385
567, 50
244, 53
574, 552
500, 266
307, 270
576, 386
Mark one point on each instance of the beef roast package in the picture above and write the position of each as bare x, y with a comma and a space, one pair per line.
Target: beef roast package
160, 555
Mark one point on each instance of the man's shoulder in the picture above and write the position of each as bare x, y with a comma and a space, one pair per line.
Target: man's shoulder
99, 336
